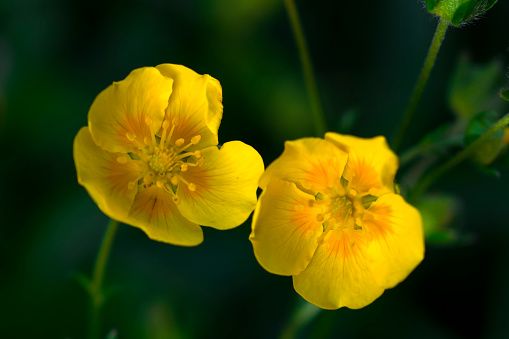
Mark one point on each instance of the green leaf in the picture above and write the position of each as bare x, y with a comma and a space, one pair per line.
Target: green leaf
430, 4
463, 12
438, 211
504, 94
490, 4
489, 150
473, 87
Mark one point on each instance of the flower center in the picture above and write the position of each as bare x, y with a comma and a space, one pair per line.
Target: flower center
343, 207
163, 161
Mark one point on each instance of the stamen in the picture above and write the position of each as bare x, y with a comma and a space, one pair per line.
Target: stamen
197, 154
196, 139
200, 162
179, 142
192, 187
184, 167
174, 180
160, 183
148, 120
319, 217
166, 125
130, 136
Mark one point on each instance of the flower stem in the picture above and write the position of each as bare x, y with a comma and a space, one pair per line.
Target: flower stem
427, 180
421, 83
307, 68
302, 316
95, 286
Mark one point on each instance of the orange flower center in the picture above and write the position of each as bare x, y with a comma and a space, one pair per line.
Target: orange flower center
343, 207
163, 160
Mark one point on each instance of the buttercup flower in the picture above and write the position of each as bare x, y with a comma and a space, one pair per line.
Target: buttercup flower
329, 217
149, 156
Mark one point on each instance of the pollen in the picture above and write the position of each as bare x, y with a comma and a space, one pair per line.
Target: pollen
179, 142
192, 187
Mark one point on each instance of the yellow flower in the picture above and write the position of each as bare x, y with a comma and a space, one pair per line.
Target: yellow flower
329, 217
149, 156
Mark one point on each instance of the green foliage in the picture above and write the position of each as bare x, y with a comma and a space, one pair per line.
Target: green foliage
473, 86
437, 213
504, 94
458, 12
489, 149
430, 4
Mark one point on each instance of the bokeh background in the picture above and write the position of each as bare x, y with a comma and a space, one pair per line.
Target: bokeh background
56, 56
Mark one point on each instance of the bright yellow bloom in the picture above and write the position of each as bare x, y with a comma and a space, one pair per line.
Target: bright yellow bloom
149, 156
329, 217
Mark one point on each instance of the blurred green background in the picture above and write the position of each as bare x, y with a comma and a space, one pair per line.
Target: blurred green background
56, 56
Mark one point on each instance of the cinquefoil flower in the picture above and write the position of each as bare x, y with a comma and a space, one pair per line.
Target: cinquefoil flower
149, 159
329, 217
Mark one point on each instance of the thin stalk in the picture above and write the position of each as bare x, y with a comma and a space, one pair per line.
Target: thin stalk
427, 180
421, 83
302, 316
95, 286
307, 68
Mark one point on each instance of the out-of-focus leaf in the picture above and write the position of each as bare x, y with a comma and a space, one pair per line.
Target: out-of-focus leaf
489, 149
504, 94
473, 88
437, 212
347, 121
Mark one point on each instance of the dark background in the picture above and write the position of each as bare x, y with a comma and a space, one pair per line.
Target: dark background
56, 56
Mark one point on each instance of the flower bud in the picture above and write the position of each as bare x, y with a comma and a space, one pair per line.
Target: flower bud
458, 12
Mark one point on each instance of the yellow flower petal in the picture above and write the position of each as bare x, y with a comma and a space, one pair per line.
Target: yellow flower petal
157, 215
285, 228
196, 103
397, 239
120, 116
313, 164
371, 163
338, 275
106, 176
223, 190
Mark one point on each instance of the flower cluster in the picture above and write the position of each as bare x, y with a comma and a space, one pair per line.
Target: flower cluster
149, 156
329, 217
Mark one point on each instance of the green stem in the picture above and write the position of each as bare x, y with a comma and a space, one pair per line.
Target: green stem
415, 151
427, 180
95, 286
421, 83
307, 68
304, 314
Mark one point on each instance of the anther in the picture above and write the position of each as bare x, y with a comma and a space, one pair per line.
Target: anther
160, 183
179, 142
166, 124
196, 139
174, 180
175, 121
122, 159
197, 154
319, 217
146, 141
148, 120
192, 187
353, 192
130, 136
184, 167
176, 199
200, 162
